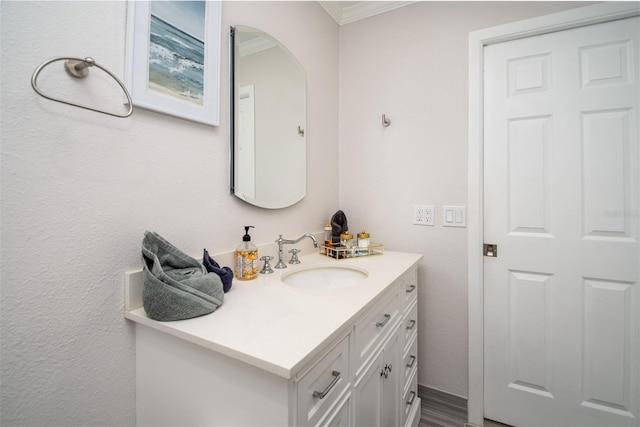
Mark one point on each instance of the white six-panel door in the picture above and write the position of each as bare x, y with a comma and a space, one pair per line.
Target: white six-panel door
561, 201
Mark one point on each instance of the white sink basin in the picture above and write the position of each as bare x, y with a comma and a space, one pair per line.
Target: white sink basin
324, 277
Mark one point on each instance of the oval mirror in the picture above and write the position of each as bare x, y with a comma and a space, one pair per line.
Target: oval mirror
268, 104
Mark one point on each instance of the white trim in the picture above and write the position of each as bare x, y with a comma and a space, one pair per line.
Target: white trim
255, 45
359, 10
574, 18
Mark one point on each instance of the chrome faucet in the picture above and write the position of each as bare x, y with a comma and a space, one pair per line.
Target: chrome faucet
281, 242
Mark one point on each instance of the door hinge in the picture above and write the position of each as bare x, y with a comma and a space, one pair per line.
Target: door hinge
490, 250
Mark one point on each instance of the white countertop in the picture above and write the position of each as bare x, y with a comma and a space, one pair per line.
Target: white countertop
279, 328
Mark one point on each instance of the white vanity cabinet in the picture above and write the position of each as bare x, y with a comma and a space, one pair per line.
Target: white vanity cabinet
363, 374
385, 386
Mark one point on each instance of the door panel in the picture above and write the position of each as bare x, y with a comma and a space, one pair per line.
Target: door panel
368, 395
606, 149
529, 339
528, 146
561, 191
607, 371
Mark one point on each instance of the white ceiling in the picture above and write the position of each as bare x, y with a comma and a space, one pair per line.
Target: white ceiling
344, 12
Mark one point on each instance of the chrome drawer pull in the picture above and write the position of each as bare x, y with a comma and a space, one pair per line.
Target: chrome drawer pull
410, 289
413, 324
413, 397
413, 361
322, 394
387, 317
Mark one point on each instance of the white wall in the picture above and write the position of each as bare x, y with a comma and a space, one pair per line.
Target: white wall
80, 188
411, 64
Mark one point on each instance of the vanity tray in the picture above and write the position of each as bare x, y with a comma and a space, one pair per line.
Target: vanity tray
338, 251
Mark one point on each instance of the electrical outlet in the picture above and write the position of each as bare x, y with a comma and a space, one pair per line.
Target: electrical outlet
423, 214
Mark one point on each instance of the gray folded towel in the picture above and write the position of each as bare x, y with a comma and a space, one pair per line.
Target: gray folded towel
176, 286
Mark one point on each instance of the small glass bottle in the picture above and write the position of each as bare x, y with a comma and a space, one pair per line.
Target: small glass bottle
347, 242
363, 243
346, 239
328, 239
246, 258
363, 239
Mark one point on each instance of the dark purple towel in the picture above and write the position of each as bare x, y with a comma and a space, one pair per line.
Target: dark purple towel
225, 273
338, 226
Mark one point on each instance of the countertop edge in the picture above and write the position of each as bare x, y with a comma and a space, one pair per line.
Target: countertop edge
142, 319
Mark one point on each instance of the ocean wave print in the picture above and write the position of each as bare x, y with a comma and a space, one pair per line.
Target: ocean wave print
176, 62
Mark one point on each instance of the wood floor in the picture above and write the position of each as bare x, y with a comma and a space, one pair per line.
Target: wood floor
441, 409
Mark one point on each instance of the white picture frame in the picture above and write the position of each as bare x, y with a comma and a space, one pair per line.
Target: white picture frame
175, 69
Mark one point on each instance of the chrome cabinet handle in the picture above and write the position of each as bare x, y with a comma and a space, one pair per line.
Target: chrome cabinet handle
413, 361
412, 398
410, 289
322, 394
387, 317
413, 324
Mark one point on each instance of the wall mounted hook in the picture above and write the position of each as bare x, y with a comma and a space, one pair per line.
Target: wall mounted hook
385, 121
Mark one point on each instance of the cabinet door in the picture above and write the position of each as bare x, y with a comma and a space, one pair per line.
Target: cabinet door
341, 417
368, 395
391, 394
377, 393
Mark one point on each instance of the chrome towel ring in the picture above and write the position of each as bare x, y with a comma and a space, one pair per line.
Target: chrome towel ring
79, 68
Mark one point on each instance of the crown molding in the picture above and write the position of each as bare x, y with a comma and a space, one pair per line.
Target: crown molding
255, 45
346, 12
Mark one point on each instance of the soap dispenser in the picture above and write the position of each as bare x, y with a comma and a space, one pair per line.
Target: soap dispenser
246, 257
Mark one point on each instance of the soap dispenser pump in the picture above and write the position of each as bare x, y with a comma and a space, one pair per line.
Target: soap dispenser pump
246, 257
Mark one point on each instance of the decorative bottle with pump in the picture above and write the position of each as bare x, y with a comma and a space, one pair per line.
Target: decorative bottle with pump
246, 266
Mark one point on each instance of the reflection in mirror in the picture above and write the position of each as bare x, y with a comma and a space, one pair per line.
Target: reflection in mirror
268, 104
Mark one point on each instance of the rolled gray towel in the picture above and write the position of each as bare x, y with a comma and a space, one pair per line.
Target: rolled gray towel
176, 286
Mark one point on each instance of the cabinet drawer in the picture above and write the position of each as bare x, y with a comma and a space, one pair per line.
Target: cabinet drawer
410, 286
321, 387
410, 325
410, 399
341, 416
373, 327
410, 362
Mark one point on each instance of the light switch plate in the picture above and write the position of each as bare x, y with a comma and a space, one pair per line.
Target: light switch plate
454, 216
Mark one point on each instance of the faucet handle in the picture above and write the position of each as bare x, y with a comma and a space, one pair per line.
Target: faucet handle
266, 269
294, 256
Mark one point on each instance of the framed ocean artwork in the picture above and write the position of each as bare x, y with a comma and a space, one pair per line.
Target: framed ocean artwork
173, 58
